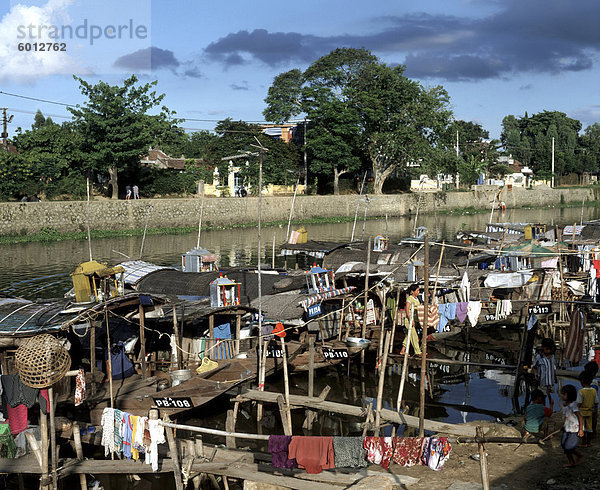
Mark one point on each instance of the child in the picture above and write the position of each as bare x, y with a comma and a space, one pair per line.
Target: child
536, 414
587, 402
545, 369
573, 428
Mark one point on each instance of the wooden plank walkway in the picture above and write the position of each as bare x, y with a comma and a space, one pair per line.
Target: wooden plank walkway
298, 401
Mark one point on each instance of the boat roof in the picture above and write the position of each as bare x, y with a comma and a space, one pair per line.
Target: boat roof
21, 317
135, 270
314, 248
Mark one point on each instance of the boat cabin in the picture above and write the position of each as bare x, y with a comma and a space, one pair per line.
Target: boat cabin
380, 243
199, 260
319, 280
94, 281
224, 292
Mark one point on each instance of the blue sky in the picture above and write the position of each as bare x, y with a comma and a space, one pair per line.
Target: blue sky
217, 59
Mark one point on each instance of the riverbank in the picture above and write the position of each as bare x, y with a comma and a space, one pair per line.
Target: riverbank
51, 221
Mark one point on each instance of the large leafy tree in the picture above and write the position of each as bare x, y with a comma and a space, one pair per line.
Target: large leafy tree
361, 110
116, 126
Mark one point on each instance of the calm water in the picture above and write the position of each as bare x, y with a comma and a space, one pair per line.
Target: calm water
42, 271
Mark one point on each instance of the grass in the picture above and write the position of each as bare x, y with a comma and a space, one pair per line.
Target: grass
47, 235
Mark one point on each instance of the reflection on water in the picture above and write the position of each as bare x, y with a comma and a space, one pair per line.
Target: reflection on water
39, 270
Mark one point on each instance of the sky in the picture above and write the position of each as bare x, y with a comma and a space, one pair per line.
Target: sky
217, 59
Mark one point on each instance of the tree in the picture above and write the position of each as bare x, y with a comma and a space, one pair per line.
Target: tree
16, 172
115, 126
590, 144
361, 110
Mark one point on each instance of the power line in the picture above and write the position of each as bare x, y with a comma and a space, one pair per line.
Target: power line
36, 99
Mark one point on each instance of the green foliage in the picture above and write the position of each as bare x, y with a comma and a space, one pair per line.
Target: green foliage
73, 185
361, 111
16, 174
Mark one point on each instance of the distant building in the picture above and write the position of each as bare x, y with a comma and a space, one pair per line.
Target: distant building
283, 132
159, 159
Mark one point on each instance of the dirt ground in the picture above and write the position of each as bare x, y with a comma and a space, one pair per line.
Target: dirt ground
510, 466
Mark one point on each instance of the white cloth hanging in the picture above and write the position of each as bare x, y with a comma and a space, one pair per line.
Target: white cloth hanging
157, 436
465, 287
473, 311
108, 430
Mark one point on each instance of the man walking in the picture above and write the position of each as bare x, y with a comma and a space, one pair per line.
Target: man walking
136, 192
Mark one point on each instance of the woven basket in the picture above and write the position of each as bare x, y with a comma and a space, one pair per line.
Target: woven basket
41, 361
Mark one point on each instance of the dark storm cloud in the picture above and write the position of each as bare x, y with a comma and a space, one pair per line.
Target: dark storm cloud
151, 58
537, 36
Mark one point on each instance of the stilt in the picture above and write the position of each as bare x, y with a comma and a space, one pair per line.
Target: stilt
79, 453
44, 430
363, 331
405, 360
174, 456
179, 354
92, 331
283, 412
286, 383
485, 478
382, 373
143, 342
53, 452
424, 340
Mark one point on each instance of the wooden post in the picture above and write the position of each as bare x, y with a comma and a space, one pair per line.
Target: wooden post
273, 258
342, 319
238, 328
92, 330
174, 456
424, 341
45, 445
405, 361
143, 342
176, 334
261, 384
283, 412
382, 332
53, 454
286, 383
386, 349
363, 331
485, 478
79, 453
110, 380
211, 334
311, 365
395, 319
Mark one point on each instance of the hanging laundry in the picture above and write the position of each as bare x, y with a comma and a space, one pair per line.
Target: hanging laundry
134, 424
432, 319
127, 435
447, 312
157, 436
531, 321
108, 430
436, 451
278, 447
79, 387
118, 416
17, 398
349, 452
465, 287
551, 263
461, 311
314, 454
473, 311
138, 438
408, 450
379, 450
575, 336
8, 448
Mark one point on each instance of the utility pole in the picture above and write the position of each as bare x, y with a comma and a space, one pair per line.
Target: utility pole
553, 162
305, 161
5, 121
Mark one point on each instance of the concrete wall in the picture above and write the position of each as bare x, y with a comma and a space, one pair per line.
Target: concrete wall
24, 218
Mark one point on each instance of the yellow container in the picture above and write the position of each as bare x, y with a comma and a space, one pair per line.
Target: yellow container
302, 235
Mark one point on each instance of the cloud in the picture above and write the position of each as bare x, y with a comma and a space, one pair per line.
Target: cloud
587, 115
527, 86
27, 66
148, 59
243, 85
537, 36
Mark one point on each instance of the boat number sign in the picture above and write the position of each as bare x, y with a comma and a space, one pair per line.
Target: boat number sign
540, 309
329, 353
173, 402
274, 351
314, 310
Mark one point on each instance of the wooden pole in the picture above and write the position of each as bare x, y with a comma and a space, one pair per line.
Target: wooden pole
485, 478
110, 380
363, 332
437, 276
89, 235
286, 384
405, 361
273, 257
92, 330
424, 341
79, 453
178, 352
143, 342
382, 366
211, 334
53, 454
394, 323
238, 328
200, 219
261, 383
287, 233
45, 445
382, 331
357, 206
311, 365
174, 456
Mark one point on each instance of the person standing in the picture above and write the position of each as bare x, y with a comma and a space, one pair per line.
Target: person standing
136, 192
544, 368
128, 192
412, 301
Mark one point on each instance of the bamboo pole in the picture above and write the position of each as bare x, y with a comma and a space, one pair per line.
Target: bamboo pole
89, 235
380, 347
200, 219
110, 380
53, 453
485, 477
79, 454
45, 445
310, 415
405, 362
178, 352
357, 206
174, 455
286, 384
363, 332
273, 253
261, 382
143, 342
382, 366
92, 330
395, 321
287, 233
424, 341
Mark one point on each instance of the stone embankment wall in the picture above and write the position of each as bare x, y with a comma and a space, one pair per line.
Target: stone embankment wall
70, 216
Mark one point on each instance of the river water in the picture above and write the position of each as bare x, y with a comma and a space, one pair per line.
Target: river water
39, 270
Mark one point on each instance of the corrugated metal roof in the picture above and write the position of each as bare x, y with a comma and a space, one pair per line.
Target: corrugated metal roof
138, 269
20, 317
